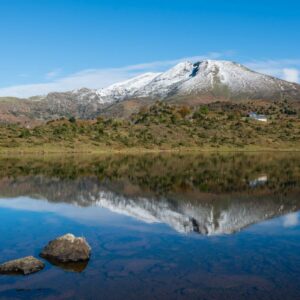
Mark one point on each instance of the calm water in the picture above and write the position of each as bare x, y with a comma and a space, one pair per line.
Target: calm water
160, 226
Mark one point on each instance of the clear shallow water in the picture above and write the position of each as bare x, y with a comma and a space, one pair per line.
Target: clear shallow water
161, 227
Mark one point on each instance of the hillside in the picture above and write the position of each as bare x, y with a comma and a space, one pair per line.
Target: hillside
162, 127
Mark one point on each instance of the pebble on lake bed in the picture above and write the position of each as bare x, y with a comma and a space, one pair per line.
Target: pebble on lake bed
25, 266
67, 248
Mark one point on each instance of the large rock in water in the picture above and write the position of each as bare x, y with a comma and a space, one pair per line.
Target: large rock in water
67, 248
25, 266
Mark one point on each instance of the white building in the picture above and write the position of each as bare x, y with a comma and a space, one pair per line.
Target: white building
258, 117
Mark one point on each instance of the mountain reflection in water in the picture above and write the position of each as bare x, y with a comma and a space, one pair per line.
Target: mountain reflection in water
206, 194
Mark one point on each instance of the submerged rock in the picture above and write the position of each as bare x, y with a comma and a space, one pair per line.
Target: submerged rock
25, 266
67, 248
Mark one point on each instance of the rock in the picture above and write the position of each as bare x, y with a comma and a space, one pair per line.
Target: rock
25, 266
67, 248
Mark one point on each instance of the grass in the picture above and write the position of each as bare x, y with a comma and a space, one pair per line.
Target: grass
160, 127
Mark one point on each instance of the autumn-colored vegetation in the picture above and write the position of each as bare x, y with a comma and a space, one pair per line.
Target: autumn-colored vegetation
163, 126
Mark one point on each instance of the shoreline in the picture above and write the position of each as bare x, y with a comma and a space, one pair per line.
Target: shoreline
105, 150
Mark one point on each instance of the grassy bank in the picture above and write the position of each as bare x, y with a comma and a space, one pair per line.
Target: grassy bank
160, 127
87, 149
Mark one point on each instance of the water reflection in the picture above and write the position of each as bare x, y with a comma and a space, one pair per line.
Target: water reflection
261, 180
77, 267
206, 194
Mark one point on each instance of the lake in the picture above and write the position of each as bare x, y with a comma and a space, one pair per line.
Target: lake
161, 226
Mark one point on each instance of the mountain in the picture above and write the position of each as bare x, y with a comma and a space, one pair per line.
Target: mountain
222, 79
218, 79
186, 83
208, 214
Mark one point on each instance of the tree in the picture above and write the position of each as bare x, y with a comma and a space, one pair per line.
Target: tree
72, 119
184, 111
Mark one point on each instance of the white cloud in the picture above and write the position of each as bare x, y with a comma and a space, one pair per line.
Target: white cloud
287, 69
95, 78
86, 78
291, 75
85, 215
53, 74
291, 220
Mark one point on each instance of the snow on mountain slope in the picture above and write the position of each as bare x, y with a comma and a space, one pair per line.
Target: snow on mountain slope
162, 85
219, 78
126, 88
156, 84
233, 78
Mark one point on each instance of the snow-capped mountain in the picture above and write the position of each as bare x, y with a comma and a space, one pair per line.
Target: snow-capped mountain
186, 83
122, 90
219, 79
223, 79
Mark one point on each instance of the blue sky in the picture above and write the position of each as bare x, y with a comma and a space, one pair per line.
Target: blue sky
64, 44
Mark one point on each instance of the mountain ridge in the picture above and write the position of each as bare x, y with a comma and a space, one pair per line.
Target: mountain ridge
223, 78
186, 83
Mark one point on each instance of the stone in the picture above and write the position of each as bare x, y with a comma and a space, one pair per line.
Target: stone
26, 265
67, 248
